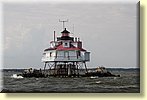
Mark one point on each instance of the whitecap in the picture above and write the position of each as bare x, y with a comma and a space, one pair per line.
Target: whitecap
37, 79
98, 82
115, 78
16, 76
94, 77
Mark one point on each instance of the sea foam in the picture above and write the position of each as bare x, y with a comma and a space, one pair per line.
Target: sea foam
16, 76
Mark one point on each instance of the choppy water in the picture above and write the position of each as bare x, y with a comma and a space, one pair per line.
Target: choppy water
129, 82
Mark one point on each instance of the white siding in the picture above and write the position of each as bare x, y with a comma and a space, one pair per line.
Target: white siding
75, 44
66, 56
49, 55
87, 56
72, 53
66, 43
60, 53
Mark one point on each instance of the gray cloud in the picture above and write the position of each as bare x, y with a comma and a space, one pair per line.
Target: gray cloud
108, 31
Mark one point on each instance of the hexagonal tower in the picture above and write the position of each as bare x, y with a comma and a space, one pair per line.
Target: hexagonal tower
65, 56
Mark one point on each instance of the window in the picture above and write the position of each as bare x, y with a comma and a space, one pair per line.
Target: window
50, 54
66, 44
66, 54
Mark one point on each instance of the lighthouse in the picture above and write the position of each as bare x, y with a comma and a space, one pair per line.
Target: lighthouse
65, 56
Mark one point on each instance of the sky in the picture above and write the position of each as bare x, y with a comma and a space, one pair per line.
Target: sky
108, 32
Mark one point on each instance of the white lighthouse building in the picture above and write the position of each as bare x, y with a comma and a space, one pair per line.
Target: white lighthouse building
65, 55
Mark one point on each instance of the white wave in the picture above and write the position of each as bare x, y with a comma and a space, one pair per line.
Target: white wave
94, 77
115, 78
98, 82
37, 79
16, 76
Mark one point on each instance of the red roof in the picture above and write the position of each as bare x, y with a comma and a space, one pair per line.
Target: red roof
60, 47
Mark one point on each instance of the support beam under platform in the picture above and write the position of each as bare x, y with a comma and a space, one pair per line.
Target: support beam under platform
64, 69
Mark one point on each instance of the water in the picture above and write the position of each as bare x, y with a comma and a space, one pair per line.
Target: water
128, 83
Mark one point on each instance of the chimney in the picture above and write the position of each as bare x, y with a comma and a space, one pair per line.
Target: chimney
54, 36
78, 39
75, 39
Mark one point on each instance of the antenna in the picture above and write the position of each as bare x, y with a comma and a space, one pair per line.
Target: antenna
63, 21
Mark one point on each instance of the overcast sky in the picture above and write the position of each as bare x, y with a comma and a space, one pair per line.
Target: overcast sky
108, 31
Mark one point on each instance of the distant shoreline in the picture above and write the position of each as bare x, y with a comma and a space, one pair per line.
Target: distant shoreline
82, 68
